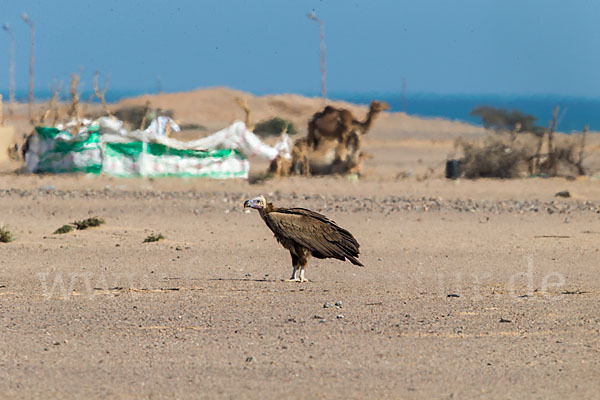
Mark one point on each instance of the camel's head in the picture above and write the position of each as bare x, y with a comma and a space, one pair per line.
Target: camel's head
378, 106
329, 110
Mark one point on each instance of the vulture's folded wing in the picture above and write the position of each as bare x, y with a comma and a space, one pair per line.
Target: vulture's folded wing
315, 232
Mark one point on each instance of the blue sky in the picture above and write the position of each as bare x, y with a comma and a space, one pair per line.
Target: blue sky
270, 46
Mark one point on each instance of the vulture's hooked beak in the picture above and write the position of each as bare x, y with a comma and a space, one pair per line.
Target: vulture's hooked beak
251, 204
257, 202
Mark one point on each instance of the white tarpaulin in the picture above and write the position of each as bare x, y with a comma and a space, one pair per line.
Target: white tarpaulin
105, 146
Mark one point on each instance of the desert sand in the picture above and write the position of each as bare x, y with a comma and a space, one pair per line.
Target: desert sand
471, 288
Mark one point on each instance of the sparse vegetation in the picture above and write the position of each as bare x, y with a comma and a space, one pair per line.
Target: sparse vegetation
502, 120
192, 126
505, 156
153, 238
80, 225
6, 235
502, 157
495, 158
275, 127
139, 117
88, 223
64, 229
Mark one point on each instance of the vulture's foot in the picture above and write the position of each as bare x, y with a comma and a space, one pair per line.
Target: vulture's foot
297, 275
299, 280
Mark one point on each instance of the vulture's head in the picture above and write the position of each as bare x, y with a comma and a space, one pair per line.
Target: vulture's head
258, 202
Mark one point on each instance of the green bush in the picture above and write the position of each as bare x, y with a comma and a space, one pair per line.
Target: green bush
499, 119
64, 229
134, 115
6, 235
153, 238
192, 126
88, 223
274, 127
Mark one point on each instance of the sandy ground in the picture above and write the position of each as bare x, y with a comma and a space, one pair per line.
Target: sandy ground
471, 289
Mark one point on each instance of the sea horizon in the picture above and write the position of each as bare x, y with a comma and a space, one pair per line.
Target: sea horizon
575, 112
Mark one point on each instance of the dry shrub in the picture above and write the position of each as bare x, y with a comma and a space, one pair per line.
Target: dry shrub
501, 157
496, 157
564, 160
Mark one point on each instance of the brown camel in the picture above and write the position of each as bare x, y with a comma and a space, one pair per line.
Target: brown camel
375, 108
337, 123
331, 123
331, 157
332, 145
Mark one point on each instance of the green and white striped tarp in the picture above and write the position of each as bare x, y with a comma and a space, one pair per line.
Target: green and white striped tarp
157, 160
56, 151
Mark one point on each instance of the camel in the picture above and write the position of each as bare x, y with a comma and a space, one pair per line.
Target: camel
375, 108
331, 123
331, 157
338, 123
332, 145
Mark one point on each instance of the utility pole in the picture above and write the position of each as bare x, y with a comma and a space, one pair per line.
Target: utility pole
158, 85
11, 68
403, 94
323, 51
29, 22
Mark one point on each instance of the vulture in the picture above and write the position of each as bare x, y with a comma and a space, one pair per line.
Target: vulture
306, 233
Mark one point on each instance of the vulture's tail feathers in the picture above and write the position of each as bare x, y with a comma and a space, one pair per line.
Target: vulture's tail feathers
354, 261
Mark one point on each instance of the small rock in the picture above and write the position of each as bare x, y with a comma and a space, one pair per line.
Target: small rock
249, 359
338, 304
248, 274
317, 316
454, 295
563, 193
327, 305
178, 248
504, 320
340, 316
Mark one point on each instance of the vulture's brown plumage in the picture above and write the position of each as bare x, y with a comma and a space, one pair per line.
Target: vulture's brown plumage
306, 233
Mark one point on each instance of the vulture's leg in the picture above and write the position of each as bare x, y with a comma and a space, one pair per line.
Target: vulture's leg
295, 265
303, 260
